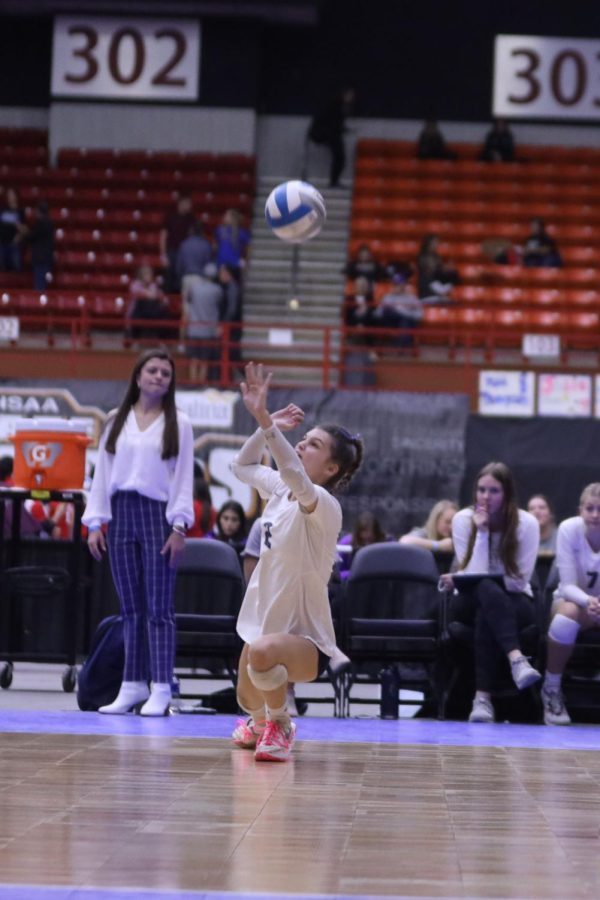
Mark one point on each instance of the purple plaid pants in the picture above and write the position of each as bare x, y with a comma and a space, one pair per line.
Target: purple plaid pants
145, 585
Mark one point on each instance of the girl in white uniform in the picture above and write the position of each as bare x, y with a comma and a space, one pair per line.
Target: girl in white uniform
285, 619
577, 598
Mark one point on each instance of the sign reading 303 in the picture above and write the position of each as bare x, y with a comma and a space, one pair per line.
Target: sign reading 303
125, 59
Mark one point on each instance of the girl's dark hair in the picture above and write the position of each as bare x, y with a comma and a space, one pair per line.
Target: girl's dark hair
202, 495
347, 450
367, 519
170, 446
508, 542
238, 509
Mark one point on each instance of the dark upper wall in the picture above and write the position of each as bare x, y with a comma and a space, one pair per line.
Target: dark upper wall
406, 59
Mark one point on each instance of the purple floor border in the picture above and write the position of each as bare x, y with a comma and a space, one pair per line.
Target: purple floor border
43, 892
360, 730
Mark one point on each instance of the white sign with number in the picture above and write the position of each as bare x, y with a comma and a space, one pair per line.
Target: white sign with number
9, 328
541, 346
547, 78
125, 59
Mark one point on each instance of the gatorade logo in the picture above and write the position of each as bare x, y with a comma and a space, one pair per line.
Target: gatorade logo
41, 455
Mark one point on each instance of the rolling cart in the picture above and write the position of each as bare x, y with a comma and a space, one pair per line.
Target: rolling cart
38, 583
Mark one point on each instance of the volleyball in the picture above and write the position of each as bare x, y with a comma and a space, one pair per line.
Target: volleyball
295, 211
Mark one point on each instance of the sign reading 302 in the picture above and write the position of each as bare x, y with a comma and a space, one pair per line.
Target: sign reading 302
125, 59
547, 78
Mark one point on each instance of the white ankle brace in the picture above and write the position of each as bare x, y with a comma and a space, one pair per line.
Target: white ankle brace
563, 630
269, 680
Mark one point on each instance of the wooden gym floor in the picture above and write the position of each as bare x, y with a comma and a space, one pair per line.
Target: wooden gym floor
97, 808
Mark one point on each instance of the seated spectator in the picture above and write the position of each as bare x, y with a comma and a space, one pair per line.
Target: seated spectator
539, 506
359, 307
499, 145
436, 533
540, 249
358, 316
501, 251
56, 518
400, 308
367, 530
176, 227
40, 237
194, 253
495, 537
576, 605
364, 265
230, 526
146, 301
12, 232
200, 311
205, 515
431, 143
435, 277
232, 241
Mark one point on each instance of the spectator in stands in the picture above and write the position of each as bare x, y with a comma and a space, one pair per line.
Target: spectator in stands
539, 506
435, 277
499, 145
358, 316
495, 537
194, 253
576, 605
12, 232
436, 533
201, 308
40, 237
230, 526
328, 128
147, 301
400, 308
365, 265
231, 309
177, 225
56, 518
205, 515
540, 249
431, 143
367, 530
232, 241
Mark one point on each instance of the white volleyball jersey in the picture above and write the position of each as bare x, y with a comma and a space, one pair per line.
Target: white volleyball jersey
578, 565
287, 592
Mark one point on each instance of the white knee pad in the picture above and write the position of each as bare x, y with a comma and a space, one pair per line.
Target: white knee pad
563, 630
269, 680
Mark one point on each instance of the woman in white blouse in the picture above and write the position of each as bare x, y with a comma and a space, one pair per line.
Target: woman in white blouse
495, 537
142, 490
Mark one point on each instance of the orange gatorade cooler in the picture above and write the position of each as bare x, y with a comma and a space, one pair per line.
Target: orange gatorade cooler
50, 453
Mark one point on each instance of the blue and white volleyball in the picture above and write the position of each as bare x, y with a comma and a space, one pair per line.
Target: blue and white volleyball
295, 211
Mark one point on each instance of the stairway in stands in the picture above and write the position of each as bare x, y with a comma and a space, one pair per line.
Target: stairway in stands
318, 287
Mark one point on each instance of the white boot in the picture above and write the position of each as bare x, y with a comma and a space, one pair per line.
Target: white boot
159, 702
131, 694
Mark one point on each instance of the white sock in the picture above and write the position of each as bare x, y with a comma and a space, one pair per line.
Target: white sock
279, 714
258, 717
552, 681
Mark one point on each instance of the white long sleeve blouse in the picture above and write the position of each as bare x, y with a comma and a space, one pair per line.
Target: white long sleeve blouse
137, 466
486, 550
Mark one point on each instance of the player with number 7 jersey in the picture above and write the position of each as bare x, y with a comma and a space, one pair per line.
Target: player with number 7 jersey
576, 605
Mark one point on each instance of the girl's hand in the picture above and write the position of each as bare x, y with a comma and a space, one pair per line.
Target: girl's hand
446, 582
96, 543
288, 418
255, 390
173, 548
481, 518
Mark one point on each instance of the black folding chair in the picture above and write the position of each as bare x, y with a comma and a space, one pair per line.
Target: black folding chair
208, 595
390, 615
